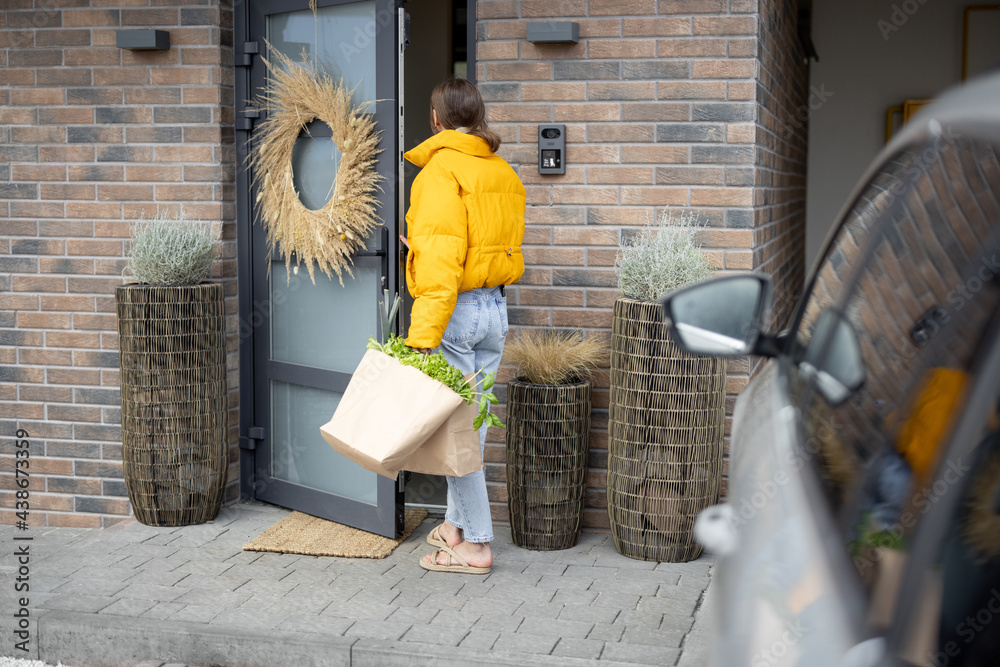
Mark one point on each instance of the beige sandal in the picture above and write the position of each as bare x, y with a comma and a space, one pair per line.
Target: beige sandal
434, 538
429, 562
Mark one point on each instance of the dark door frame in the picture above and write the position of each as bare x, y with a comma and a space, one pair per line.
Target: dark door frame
387, 516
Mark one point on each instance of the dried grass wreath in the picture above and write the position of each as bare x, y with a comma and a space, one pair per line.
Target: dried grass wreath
295, 96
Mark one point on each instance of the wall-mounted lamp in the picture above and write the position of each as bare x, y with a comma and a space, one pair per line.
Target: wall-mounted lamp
143, 40
554, 32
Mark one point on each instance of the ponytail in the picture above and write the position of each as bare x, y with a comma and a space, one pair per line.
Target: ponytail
459, 104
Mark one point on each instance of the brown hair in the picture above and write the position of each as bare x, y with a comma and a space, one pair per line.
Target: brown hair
459, 104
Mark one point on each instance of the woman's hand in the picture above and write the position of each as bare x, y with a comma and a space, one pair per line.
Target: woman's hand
404, 241
423, 350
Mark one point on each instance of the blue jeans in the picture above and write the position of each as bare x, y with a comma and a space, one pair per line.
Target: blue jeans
474, 339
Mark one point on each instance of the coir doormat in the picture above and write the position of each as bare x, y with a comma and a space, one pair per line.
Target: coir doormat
300, 533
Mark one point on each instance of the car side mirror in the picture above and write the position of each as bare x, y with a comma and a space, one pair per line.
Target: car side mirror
720, 317
833, 358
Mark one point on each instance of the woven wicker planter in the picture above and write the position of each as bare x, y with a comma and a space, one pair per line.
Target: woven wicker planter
666, 425
174, 401
548, 441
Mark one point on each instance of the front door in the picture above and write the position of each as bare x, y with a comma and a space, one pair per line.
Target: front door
300, 340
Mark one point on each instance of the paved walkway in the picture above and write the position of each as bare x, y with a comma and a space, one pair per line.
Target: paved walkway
137, 595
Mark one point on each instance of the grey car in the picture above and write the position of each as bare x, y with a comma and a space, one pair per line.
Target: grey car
863, 519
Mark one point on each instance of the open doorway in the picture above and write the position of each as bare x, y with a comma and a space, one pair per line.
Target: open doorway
438, 48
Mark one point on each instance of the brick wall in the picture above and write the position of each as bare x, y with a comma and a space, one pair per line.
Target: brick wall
92, 137
665, 105
781, 134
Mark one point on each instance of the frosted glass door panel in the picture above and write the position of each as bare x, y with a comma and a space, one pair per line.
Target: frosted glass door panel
322, 325
301, 456
346, 38
315, 161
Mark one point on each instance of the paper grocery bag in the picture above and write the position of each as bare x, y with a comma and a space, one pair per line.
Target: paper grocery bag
387, 412
453, 449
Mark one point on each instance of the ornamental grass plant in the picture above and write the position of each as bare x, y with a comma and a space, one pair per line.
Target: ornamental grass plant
171, 251
661, 258
554, 357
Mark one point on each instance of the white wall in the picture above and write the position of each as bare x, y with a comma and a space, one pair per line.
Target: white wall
865, 67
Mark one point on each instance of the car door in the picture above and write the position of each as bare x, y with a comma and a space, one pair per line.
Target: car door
913, 272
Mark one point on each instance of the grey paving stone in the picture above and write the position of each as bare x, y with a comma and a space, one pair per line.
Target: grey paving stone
624, 563
162, 610
511, 577
441, 601
413, 615
477, 589
575, 558
498, 623
621, 586
161, 566
140, 591
452, 618
652, 636
247, 618
647, 655
617, 600
580, 583
299, 606
390, 630
327, 625
575, 647
521, 593
256, 571
218, 599
44, 584
145, 550
660, 577
584, 612
534, 610
677, 622
526, 643
436, 635
606, 632
638, 617
129, 607
367, 596
574, 597
102, 587
132, 562
366, 613
220, 582
668, 605
245, 557
154, 577
591, 571
545, 568
277, 560
276, 588
213, 568
409, 598
479, 606
563, 628
83, 603
692, 569
306, 577
480, 640
196, 613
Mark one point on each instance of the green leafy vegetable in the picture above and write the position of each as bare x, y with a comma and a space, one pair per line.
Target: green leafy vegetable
437, 367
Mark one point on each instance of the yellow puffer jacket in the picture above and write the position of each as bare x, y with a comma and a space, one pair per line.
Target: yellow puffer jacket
465, 227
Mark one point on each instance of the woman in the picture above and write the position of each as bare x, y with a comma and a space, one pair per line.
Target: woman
465, 223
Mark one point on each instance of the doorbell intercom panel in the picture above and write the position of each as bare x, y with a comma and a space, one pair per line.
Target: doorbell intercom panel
551, 149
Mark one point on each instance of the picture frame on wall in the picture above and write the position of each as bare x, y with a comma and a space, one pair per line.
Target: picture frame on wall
980, 49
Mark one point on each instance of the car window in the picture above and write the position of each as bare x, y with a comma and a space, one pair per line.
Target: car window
953, 597
914, 273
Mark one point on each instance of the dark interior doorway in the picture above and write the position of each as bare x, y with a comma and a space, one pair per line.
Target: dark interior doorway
438, 49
